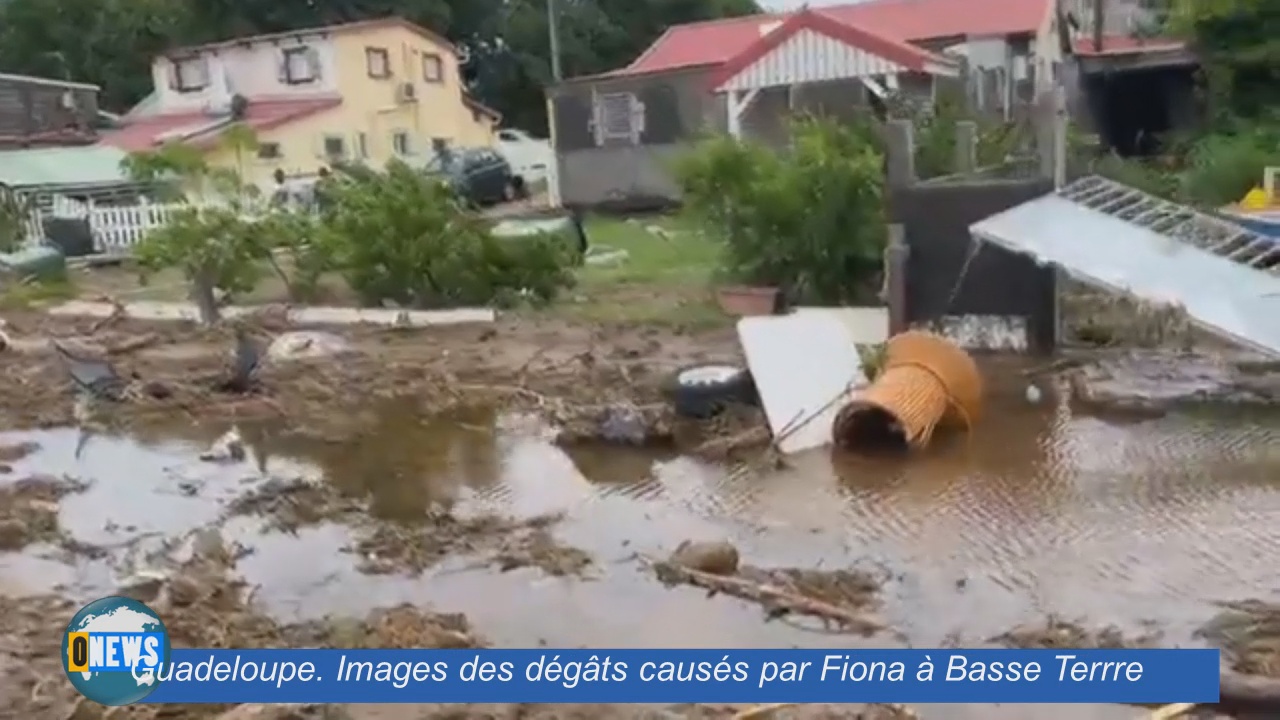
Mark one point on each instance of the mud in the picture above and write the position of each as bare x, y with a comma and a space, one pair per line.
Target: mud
1057, 633
29, 510
1153, 382
416, 467
1248, 633
205, 605
571, 374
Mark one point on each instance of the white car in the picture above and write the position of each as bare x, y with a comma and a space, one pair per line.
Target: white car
529, 157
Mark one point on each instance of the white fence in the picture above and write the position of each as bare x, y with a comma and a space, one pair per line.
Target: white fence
115, 229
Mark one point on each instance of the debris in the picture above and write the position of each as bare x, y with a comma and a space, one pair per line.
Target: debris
227, 448
1034, 395
803, 365
14, 453
1057, 634
780, 594
1153, 382
624, 424
94, 377
703, 391
244, 364
927, 382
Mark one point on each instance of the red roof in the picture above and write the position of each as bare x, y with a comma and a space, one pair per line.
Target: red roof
151, 131
715, 41
1124, 45
896, 51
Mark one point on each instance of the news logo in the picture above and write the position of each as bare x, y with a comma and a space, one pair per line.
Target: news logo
113, 650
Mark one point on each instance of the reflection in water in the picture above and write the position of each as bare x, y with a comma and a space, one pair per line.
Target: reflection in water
405, 463
1036, 510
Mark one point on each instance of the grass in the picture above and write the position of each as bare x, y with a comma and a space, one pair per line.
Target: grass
23, 295
666, 278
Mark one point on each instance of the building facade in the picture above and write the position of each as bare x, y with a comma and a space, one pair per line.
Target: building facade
363, 92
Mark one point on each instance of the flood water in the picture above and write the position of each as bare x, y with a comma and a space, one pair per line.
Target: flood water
1144, 525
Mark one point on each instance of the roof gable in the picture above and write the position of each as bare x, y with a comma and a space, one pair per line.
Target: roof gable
716, 41
857, 47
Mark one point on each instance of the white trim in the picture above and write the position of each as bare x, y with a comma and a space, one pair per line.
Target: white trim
737, 102
943, 70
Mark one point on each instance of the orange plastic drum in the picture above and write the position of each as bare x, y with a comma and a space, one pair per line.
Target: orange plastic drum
927, 382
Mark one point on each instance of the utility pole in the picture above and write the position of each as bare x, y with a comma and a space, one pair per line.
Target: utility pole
1099, 23
553, 35
557, 75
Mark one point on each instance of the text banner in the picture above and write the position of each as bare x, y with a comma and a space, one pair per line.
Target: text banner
688, 676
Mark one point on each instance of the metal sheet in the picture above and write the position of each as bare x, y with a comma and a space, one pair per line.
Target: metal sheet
803, 364
1115, 237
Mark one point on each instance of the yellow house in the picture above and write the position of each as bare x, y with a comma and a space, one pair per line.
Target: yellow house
362, 92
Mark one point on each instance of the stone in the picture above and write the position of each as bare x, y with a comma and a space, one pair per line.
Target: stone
716, 558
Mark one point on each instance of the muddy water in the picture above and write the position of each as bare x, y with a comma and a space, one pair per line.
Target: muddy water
1139, 524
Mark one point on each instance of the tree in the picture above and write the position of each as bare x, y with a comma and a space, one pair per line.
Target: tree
112, 42
810, 219
1238, 45
404, 237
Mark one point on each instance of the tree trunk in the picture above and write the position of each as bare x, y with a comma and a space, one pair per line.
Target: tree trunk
203, 297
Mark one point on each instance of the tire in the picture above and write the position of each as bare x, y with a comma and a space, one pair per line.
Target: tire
519, 188
510, 192
703, 391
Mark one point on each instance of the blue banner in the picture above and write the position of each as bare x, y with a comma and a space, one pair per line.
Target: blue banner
685, 676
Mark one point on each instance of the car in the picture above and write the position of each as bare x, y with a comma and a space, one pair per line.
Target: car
478, 175
529, 157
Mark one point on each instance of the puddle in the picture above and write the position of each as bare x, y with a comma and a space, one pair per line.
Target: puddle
1039, 512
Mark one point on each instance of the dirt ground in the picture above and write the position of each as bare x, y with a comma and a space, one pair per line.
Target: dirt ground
573, 374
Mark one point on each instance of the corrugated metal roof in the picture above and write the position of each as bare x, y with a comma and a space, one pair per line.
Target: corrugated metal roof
86, 165
1225, 277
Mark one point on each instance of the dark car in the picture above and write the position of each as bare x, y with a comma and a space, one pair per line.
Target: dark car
479, 175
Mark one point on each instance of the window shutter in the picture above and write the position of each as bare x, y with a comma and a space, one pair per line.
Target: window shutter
174, 83
283, 69
313, 63
637, 119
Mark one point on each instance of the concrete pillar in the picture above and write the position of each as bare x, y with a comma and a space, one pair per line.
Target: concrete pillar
901, 153
896, 255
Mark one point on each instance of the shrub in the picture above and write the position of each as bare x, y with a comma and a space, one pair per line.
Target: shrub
402, 236
209, 244
810, 220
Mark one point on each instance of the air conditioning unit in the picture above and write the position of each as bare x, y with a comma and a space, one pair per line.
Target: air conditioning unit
406, 93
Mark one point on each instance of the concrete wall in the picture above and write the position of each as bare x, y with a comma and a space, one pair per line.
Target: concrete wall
35, 111
679, 106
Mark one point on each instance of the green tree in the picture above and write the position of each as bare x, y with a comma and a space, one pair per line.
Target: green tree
112, 42
810, 219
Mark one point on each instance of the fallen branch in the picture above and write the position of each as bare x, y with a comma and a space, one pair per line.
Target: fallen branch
133, 344
1237, 694
1168, 712
768, 595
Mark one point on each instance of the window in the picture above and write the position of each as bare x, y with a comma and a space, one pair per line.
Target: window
334, 147
300, 65
362, 145
618, 117
269, 151
400, 143
190, 74
432, 68
378, 62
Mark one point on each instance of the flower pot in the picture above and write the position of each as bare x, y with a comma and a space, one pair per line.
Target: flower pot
741, 301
